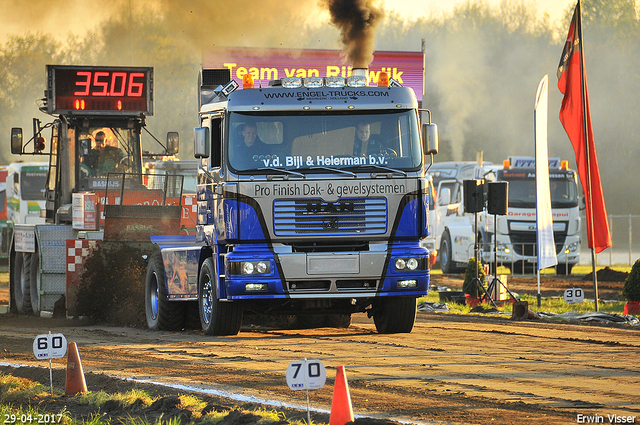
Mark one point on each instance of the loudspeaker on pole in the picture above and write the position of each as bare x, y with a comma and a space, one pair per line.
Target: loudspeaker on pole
498, 198
473, 195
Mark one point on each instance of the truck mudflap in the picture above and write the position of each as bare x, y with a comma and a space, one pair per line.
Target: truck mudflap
181, 259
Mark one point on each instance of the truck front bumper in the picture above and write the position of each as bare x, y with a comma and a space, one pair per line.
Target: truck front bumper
402, 272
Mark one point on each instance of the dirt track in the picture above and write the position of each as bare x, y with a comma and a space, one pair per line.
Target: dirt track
450, 369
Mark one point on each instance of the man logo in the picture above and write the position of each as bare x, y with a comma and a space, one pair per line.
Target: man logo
331, 223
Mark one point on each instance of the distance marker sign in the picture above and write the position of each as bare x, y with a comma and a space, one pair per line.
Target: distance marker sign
50, 346
306, 375
573, 295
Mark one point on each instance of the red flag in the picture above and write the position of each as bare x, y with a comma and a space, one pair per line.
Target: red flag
572, 82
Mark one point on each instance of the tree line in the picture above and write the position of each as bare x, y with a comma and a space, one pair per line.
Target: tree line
483, 65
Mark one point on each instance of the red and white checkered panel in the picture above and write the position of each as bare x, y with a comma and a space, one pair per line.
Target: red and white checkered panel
77, 252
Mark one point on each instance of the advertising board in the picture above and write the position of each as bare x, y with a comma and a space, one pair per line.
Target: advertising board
272, 64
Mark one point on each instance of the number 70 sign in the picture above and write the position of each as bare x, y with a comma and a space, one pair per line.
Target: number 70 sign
306, 375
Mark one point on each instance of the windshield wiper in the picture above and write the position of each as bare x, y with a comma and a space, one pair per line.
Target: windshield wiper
281, 170
335, 170
380, 167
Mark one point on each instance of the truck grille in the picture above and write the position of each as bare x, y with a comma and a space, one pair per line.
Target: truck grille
524, 243
308, 217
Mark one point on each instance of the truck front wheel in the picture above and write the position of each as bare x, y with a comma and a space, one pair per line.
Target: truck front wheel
34, 286
564, 269
395, 314
444, 254
161, 313
22, 282
217, 318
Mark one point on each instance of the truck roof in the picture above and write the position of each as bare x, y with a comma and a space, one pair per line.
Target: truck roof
318, 99
460, 170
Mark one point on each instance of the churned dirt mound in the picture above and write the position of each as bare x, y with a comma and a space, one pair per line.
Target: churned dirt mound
608, 275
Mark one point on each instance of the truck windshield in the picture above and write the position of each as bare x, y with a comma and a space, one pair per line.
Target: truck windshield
309, 141
522, 192
108, 150
32, 183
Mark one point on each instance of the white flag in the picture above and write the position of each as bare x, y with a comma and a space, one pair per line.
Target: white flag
544, 218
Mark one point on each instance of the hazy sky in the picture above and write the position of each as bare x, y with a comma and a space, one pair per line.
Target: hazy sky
413, 8
82, 16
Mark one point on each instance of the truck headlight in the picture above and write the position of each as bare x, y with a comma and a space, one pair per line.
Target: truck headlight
411, 263
503, 248
249, 267
261, 267
572, 247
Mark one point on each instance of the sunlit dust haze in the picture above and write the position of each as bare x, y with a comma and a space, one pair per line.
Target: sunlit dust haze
483, 62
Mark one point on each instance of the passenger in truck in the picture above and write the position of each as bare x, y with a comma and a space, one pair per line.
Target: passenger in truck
250, 146
364, 144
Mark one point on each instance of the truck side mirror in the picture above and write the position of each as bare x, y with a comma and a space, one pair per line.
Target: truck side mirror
16, 141
173, 142
444, 198
430, 138
201, 142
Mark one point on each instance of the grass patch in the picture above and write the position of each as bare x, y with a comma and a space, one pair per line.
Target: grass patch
13, 389
576, 271
554, 305
135, 407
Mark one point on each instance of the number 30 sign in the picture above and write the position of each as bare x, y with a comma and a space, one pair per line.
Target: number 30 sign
573, 295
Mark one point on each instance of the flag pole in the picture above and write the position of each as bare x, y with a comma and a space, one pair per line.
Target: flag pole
586, 145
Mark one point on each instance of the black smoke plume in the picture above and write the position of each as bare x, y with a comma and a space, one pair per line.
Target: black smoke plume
356, 20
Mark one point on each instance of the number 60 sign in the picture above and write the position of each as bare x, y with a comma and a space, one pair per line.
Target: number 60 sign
50, 346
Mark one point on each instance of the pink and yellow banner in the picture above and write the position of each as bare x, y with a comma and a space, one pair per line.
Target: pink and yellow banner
272, 64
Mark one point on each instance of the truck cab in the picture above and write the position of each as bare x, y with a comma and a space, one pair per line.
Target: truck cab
453, 227
297, 214
516, 232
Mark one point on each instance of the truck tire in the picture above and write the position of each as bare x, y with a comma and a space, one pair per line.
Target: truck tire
22, 282
444, 254
216, 318
564, 269
34, 286
342, 321
161, 313
395, 314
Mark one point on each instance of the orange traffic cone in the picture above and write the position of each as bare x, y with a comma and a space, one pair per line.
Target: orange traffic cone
75, 375
341, 409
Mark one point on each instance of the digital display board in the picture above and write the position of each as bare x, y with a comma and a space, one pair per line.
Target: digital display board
99, 90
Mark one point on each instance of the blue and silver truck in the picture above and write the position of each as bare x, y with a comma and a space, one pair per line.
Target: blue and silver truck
297, 216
